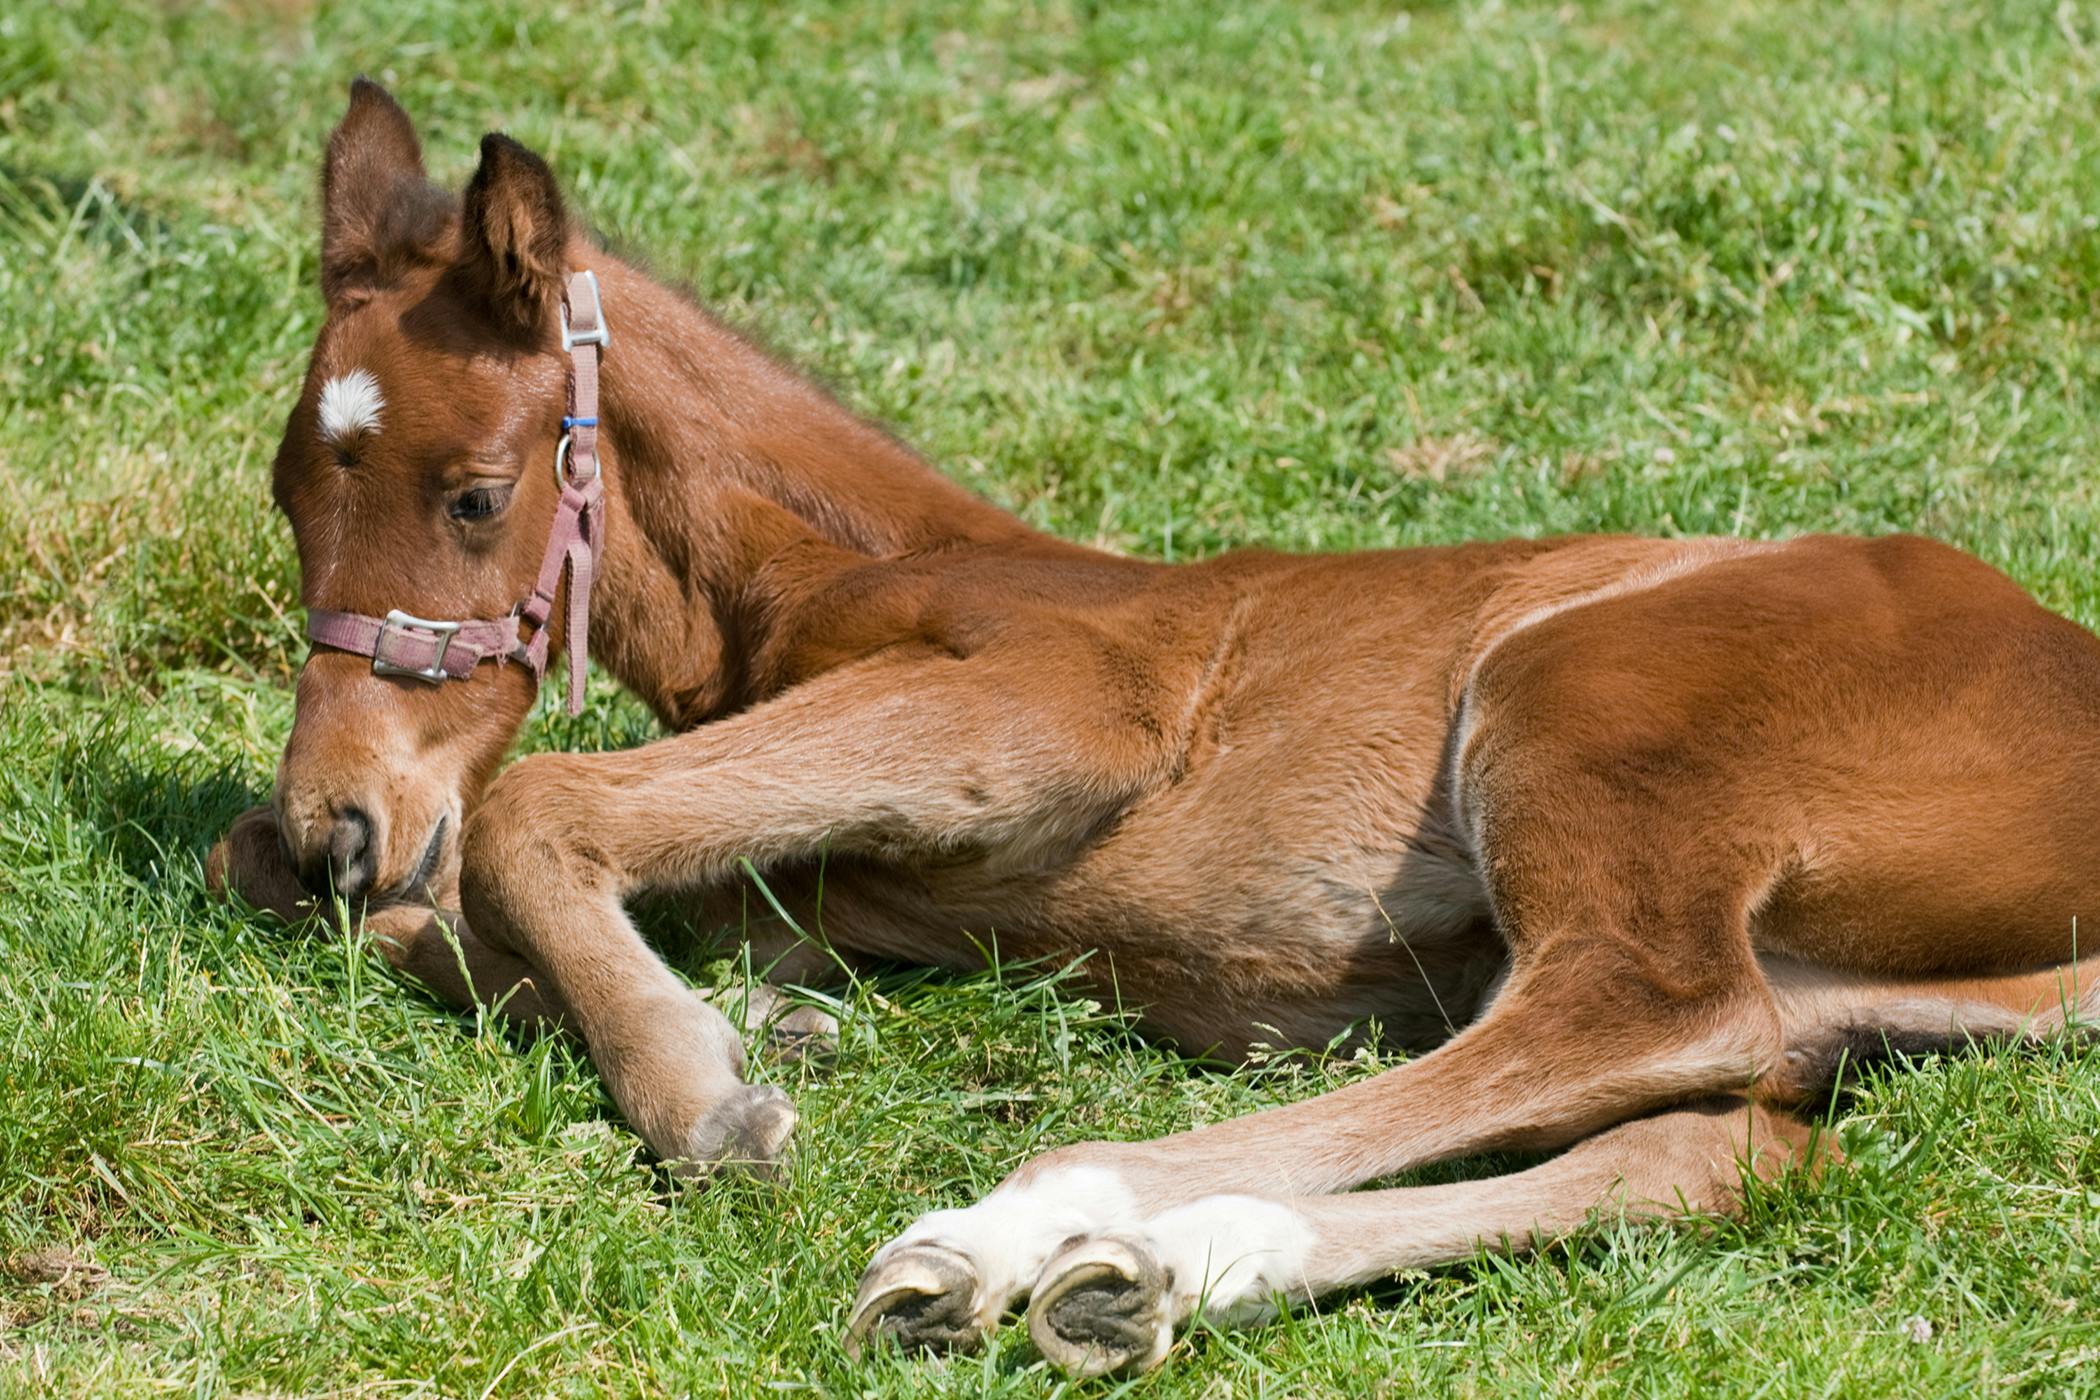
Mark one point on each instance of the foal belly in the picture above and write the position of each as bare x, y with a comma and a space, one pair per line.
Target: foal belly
1220, 939
1300, 874
1300, 882
1305, 951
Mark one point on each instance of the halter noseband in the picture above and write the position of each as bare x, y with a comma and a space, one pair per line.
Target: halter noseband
401, 644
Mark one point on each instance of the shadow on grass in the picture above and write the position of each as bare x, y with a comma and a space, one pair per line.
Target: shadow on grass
156, 815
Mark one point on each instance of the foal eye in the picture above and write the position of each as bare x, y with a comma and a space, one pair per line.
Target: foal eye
478, 504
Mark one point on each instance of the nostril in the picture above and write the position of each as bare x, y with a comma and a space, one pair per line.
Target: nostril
350, 852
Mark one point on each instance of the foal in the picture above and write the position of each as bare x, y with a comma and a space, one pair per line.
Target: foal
1667, 828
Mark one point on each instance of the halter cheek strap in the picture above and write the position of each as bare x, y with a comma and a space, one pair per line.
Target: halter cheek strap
401, 644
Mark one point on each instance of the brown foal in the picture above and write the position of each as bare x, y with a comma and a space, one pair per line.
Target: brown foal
1638, 839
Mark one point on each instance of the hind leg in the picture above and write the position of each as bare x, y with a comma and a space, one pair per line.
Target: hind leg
1632, 987
1832, 1021
794, 1031
1552, 1062
1113, 1301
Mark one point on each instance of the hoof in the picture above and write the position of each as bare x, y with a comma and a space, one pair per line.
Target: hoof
1102, 1306
748, 1130
924, 1296
248, 862
803, 1035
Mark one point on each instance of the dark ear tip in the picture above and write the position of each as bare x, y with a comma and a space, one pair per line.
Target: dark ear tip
363, 90
496, 149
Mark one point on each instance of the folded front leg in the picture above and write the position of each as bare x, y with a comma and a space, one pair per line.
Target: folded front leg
249, 861
428, 942
892, 759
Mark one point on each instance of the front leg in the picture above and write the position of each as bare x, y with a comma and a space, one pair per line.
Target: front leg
430, 943
249, 861
433, 944
890, 759
672, 1062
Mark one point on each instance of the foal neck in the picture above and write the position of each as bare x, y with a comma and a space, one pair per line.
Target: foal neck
723, 458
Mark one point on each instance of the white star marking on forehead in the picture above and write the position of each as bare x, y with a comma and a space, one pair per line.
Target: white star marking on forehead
350, 405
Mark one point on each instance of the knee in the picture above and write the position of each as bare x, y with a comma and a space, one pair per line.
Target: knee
523, 840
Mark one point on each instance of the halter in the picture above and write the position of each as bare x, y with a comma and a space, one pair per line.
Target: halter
401, 644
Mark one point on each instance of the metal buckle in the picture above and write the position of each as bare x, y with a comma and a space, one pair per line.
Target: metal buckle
601, 337
439, 632
561, 466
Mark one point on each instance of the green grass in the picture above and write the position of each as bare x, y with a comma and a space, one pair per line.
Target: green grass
1171, 276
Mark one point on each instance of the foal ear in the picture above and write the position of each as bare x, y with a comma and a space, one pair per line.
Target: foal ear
514, 232
376, 204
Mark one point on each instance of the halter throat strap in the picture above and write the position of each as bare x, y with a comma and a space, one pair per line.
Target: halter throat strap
402, 644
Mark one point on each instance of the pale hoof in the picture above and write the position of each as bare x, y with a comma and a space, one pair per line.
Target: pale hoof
1102, 1306
924, 1296
748, 1131
249, 862
802, 1035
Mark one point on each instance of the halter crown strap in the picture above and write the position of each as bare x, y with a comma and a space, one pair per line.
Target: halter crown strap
401, 644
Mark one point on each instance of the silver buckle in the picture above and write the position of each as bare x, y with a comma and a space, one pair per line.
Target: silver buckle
439, 632
601, 337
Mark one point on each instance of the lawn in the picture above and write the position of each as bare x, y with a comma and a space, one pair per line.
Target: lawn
1171, 277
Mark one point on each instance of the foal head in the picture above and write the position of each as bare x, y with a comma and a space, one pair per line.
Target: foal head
418, 472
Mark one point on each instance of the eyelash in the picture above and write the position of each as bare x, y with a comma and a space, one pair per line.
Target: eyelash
479, 504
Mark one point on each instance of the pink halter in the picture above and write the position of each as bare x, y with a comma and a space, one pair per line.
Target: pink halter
401, 644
